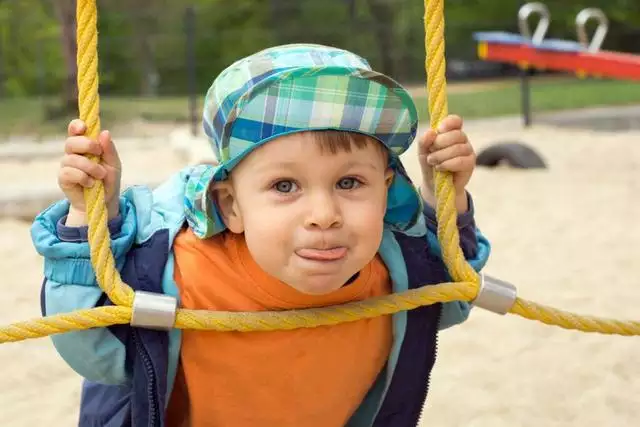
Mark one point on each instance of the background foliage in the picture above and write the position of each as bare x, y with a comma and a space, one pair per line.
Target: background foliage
143, 43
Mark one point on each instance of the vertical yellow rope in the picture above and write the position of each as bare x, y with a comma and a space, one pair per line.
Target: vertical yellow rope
446, 212
89, 108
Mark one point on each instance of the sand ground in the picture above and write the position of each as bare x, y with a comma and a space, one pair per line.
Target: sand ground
567, 236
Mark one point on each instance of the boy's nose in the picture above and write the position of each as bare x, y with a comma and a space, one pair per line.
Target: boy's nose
324, 213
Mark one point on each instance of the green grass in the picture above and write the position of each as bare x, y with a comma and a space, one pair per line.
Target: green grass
546, 95
28, 117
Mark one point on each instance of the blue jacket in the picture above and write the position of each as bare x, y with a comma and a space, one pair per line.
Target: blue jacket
129, 372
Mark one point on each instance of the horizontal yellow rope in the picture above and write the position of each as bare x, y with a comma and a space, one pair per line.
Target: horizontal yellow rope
310, 318
464, 288
79, 320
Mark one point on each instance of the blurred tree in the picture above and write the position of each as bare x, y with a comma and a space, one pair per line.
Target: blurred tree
383, 13
143, 45
65, 11
29, 48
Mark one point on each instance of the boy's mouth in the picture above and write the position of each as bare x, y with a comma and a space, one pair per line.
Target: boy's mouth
331, 254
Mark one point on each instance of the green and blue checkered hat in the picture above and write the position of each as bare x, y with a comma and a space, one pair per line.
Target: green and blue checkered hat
302, 87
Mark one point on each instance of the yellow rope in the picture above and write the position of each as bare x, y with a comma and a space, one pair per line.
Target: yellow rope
102, 259
464, 288
446, 212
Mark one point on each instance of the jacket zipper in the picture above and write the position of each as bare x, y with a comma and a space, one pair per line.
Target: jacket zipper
421, 417
151, 382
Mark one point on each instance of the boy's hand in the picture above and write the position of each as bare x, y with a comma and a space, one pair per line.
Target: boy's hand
448, 149
78, 172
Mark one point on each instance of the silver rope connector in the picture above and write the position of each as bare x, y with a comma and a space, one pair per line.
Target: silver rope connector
495, 295
153, 311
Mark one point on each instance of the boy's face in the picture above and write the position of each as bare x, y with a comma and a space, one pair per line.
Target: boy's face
311, 218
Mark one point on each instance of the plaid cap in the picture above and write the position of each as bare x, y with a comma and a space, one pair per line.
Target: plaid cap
302, 87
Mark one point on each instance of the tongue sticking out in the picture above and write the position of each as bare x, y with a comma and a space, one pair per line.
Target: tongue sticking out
332, 254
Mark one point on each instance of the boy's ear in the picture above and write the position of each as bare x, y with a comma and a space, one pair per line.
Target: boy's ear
388, 177
223, 195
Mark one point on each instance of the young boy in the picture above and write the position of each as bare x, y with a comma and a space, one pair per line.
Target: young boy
309, 206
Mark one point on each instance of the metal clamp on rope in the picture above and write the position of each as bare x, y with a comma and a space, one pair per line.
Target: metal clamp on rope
495, 295
153, 311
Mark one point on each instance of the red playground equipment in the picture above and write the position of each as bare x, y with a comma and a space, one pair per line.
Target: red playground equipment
584, 58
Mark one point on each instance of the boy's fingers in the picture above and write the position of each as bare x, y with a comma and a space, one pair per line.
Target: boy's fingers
448, 153
82, 145
109, 153
457, 164
76, 127
452, 137
85, 165
426, 141
449, 123
69, 177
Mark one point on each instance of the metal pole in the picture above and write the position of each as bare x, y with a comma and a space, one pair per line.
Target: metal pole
189, 24
2, 70
352, 10
41, 69
525, 89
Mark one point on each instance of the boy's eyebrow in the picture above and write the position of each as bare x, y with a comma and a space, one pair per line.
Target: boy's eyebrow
275, 165
370, 165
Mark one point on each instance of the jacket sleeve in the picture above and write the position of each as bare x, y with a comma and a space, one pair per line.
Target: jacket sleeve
70, 284
476, 249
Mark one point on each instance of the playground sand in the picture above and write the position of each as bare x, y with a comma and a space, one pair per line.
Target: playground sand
567, 236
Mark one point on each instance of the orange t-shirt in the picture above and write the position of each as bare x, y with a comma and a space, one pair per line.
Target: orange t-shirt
305, 377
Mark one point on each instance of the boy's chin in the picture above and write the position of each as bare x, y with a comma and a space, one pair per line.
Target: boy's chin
318, 285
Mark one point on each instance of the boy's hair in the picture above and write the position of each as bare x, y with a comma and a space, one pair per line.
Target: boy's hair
332, 142
335, 141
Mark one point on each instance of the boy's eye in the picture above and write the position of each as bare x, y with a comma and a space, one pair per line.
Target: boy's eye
348, 183
285, 186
